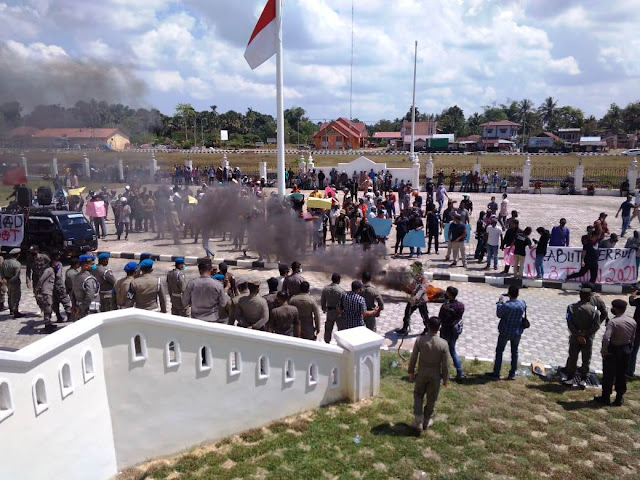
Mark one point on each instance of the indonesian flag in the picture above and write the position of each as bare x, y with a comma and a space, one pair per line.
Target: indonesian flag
15, 176
264, 39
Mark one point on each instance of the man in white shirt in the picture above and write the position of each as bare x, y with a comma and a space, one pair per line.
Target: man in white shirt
493, 235
504, 209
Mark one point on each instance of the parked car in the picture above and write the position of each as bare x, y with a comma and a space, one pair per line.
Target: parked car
631, 152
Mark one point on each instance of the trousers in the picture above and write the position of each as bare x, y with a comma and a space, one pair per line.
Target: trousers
45, 302
177, 308
591, 267
502, 343
429, 385
331, 320
14, 293
614, 366
574, 350
408, 311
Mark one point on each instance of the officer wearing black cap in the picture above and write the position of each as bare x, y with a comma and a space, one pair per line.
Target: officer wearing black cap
85, 288
107, 281
617, 343
176, 285
10, 276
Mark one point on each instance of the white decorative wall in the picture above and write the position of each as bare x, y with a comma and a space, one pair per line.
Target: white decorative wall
364, 164
153, 384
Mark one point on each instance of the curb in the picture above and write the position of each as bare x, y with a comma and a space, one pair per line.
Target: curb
446, 277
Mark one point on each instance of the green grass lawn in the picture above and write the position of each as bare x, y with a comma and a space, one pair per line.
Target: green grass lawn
526, 428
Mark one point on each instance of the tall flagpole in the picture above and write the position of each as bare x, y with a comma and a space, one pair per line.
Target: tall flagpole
280, 101
413, 106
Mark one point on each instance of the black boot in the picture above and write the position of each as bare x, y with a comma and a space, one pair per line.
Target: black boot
406, 328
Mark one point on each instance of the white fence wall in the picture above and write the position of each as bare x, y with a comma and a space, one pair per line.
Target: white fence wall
136, 399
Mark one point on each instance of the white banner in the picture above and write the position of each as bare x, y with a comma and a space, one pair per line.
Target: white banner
11, 230
615, 265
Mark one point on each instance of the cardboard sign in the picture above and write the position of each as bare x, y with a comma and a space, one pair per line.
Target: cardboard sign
321, 203
615, 265
96, 209
414, 238
11, 230
382, 226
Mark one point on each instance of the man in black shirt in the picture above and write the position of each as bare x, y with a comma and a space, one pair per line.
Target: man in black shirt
509, 237
520, 244
589, 260
627, 209
433, 228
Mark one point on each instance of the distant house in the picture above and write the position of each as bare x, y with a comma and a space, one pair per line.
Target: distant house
620, 140
592, 144
497, 144
392, 138
340, 134
423, 130
471, 143
570, 135
500, 129
70, 137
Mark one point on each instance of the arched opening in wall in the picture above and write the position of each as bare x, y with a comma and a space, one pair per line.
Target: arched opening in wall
263, 367
312, 375
39, 396
334, 380
87, 366
6, 406
235, 365
172, 354
138, 348
66, 384
289, 371
137, 345
204, 359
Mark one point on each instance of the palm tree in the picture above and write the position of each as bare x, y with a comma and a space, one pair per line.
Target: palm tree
524, 110
547, 111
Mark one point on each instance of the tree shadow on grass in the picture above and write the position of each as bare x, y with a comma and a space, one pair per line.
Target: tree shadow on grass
579, 404
395, 430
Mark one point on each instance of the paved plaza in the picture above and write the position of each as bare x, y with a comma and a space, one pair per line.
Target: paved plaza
547, 339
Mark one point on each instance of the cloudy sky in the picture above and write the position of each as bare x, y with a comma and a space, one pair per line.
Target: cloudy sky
470, 53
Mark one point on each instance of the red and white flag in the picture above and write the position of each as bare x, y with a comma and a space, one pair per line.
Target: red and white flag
264, 39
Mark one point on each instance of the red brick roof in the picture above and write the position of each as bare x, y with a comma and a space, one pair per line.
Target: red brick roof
345, 127
470, 138
23, 131
387, 135
78, 133
501, 123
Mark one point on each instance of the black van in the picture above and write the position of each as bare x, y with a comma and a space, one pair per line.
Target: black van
70, 233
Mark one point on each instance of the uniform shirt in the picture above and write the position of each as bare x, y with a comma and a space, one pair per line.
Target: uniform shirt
308, 314
353, 307
122, 289
206, 297
36, 265
271, 300
46, 282
84, 291
620, 331
252, 310
431, 355
145, 292
105, 277
330, 297
176, 283
372, 297
10, 271
284, 320
583, 319
291, 284
510, 314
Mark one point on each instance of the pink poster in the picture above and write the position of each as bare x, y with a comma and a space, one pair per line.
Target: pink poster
96, 209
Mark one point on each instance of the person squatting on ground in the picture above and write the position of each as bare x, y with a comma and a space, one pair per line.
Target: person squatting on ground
431, 355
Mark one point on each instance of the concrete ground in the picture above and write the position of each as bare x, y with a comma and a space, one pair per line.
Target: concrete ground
547, 340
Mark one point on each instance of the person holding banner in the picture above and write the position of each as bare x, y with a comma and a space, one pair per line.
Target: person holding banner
588, 259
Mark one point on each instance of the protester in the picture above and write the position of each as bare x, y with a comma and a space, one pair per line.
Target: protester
417, 300
493, 237
352, 308
520, 244
451, 327
588, 259
627, 208
560, 235
541, 250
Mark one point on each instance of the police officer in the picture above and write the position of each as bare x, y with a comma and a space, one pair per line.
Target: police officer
583, 320
205, 295
36, 264
176, 285
72, 271
617, 343
372, 298
143, 257
252, 310
431, 354
3, 290
43, 291
147, 291
85, 288
123, 284
60, 295
10, 276
329, 300
107, 281
229, 311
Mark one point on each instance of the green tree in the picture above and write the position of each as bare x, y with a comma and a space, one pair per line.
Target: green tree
612, 120
185, 111
547, 111
452, 120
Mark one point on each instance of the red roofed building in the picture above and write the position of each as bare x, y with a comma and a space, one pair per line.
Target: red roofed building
86, 137
21, 136
341, 134
500, 129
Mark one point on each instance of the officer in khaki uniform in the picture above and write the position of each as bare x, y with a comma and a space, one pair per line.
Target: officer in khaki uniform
431, 354
176, 285
60, 295
308, 312
107, 281
43, 291
36, 264
147, 291
329, 300
123, 284
72, 271
371, 298
3, 290
583, 321
252, 310
205, 295
10, 277
85, 288
229, 311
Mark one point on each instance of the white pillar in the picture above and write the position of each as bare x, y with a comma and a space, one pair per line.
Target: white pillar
578, 177
225, 162
430, 167
263, 170
302, 164
362, 378
188, 163
54, 167
526, 174
23, 160
632, 174
310, 164
154, 164
415, 174
87, 166
120, 170
477, 167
